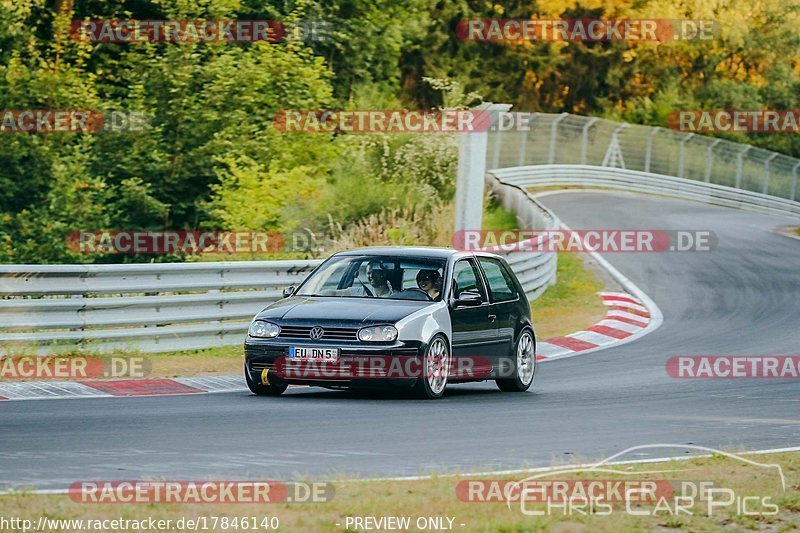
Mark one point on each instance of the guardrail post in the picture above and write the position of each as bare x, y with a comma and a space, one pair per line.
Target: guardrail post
709, 159
649, 153
682, 150
739, 163
497, 145
472, 171
766, 173
794, 181
585, 134
523, 141
553, 130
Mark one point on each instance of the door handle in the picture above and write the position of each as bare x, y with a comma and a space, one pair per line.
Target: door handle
492, 318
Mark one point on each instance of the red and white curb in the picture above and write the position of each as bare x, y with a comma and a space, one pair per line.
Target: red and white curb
44, 390
626, 316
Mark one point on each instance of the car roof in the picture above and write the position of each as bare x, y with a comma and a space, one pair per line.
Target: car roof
413, 251
404, 251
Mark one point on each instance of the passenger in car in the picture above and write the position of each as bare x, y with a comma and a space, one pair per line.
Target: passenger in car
430, 281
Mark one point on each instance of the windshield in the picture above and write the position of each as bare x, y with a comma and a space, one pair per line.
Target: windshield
372, 276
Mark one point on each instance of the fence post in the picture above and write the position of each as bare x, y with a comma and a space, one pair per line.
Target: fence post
649, 153
472, 171
586, 138
794, 181
739, 163
553, 130
682, 150
709, 158
766, 173
614, 149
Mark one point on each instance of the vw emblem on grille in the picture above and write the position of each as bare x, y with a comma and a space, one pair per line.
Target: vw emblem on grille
316, 332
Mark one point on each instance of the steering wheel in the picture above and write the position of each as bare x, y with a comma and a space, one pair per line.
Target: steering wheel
414, 289
367, 289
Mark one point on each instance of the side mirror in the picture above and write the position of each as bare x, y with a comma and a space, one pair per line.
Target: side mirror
288, 291
468, 299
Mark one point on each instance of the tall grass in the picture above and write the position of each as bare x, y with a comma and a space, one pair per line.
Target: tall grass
408, 226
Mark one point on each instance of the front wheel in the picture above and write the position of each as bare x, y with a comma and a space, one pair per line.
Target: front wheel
524, 365
261, 389
436, 368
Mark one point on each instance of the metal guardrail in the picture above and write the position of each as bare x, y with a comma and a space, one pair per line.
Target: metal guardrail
535, 270
142, 307
632, 180
43, 280
181, 306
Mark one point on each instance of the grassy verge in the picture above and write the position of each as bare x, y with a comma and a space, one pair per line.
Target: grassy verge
789, 231
437, 497
572, 303
223, 360
496, 217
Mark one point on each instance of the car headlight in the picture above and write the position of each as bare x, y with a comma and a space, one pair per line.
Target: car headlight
264, 330
377, 334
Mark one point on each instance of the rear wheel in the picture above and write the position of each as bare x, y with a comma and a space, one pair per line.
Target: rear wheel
435, 368
274, 388
524, 360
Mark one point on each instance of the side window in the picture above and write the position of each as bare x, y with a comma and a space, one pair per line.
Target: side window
499, 280
466, 278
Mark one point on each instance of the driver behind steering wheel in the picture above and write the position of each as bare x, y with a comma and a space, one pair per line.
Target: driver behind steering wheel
378, 279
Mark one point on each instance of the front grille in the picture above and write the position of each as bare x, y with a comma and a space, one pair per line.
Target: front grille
302, 332
259, 367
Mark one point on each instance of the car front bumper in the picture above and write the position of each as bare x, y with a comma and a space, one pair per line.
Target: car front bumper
396, 364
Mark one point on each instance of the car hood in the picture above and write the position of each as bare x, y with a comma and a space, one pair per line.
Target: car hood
338, 310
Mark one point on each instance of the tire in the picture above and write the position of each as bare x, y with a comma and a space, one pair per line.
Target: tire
273, 389
435, 369
524, 358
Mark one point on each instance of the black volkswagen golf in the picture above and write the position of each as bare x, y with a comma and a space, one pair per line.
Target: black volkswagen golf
409, 317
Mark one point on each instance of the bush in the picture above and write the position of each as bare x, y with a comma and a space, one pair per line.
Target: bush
407, 172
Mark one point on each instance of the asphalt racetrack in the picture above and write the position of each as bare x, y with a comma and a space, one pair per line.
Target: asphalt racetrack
741, 299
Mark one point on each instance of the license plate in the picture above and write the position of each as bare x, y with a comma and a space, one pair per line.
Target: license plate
322, 355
